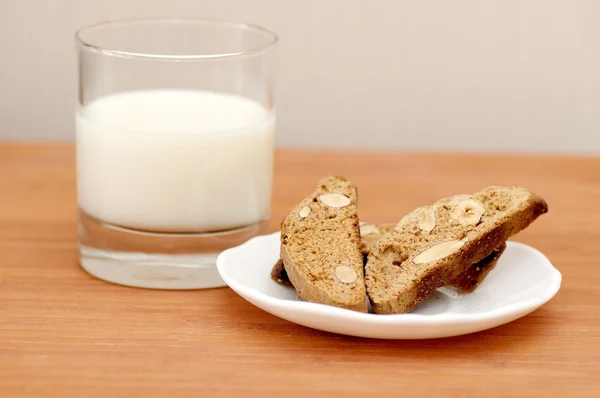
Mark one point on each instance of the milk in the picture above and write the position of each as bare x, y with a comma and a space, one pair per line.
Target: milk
175, 160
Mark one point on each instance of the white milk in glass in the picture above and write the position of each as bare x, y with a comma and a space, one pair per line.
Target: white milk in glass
175, 160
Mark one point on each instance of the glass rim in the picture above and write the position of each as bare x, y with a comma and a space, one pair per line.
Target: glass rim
132, 54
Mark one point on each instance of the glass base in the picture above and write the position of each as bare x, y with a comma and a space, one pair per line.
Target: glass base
156, 260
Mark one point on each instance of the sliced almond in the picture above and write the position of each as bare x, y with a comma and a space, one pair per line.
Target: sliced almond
334, 200
345, 274
304, 212
468, 212
439, 251
369, 229
426, 218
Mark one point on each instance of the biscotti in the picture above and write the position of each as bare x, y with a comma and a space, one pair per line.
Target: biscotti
434, 245
469, 280
321, 246
370, 234
279, 274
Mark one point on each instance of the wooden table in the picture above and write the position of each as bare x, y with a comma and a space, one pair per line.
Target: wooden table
65, 334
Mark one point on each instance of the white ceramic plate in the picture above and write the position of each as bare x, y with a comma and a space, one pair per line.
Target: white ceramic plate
522, 281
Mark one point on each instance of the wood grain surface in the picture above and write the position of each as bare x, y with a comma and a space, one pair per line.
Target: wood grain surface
64, 333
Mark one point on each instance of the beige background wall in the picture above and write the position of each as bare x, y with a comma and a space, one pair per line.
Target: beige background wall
521, 75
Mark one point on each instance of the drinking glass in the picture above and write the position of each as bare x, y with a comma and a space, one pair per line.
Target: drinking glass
175, 132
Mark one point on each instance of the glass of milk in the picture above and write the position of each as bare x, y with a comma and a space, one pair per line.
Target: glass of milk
175, 133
